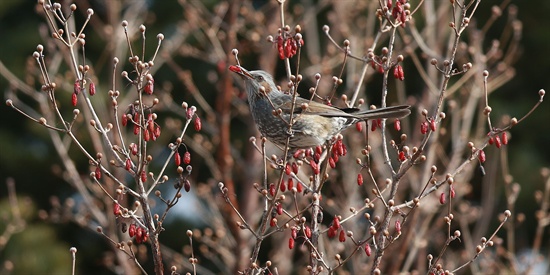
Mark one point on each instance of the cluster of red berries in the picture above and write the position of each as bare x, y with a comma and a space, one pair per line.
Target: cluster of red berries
288, 44
287, 48
339, 149
429, 124
139, 232
150, 86
190, 113
398, 72
77, 89
443, 197
134, 230
336, 229
151, 130
498, 141
287, 184
294, 235
313, 156
398, 11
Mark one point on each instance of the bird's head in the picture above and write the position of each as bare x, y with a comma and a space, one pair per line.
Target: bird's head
257, 83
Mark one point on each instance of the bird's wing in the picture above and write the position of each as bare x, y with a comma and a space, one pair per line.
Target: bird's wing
315, 108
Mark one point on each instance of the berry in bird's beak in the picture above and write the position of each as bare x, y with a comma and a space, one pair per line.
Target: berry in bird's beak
240, 70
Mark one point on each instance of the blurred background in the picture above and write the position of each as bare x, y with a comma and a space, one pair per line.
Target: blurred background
28, 159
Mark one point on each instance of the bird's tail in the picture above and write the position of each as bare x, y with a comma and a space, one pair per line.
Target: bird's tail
386, 112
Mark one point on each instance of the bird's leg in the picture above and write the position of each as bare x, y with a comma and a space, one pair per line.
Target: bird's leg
290, 133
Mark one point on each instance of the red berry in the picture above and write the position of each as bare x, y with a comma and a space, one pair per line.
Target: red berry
97, 173
273, 222
373, 64
331, 162
139, 234
149, 87
504, 138
272, 189
452, 192
282, 186
124, 119
481, 156
287, 169
340, 148
491, 141
397, 125
359, 126
116, 209
497, 142
314, 167
299, 187
336, 222
402, 156
380, 69
177, 159
76, 87
342, 236
432, 125
368, 250
198, 124
146, 135
74, 99
280, 47
442, 198
294, 233
295, 168
143, 176
279, 209
145, 237
156, 134
298, 153
307, 232
424, 127
290, 183
92, 89
234, 68
317, 157
187, 157
133, 148
288, 48
319, 149
331, 232
128, 164
398, 73
336, 158
403, 19
359, 179
150, 126
290, 243
132, 230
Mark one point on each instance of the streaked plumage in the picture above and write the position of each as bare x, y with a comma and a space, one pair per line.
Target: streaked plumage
312, 126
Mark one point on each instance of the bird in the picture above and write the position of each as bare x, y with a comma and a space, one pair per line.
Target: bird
313, 123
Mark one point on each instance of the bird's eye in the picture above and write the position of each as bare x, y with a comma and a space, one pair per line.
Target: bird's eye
260, 78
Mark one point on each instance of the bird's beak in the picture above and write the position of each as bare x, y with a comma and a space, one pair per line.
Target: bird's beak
240, 71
